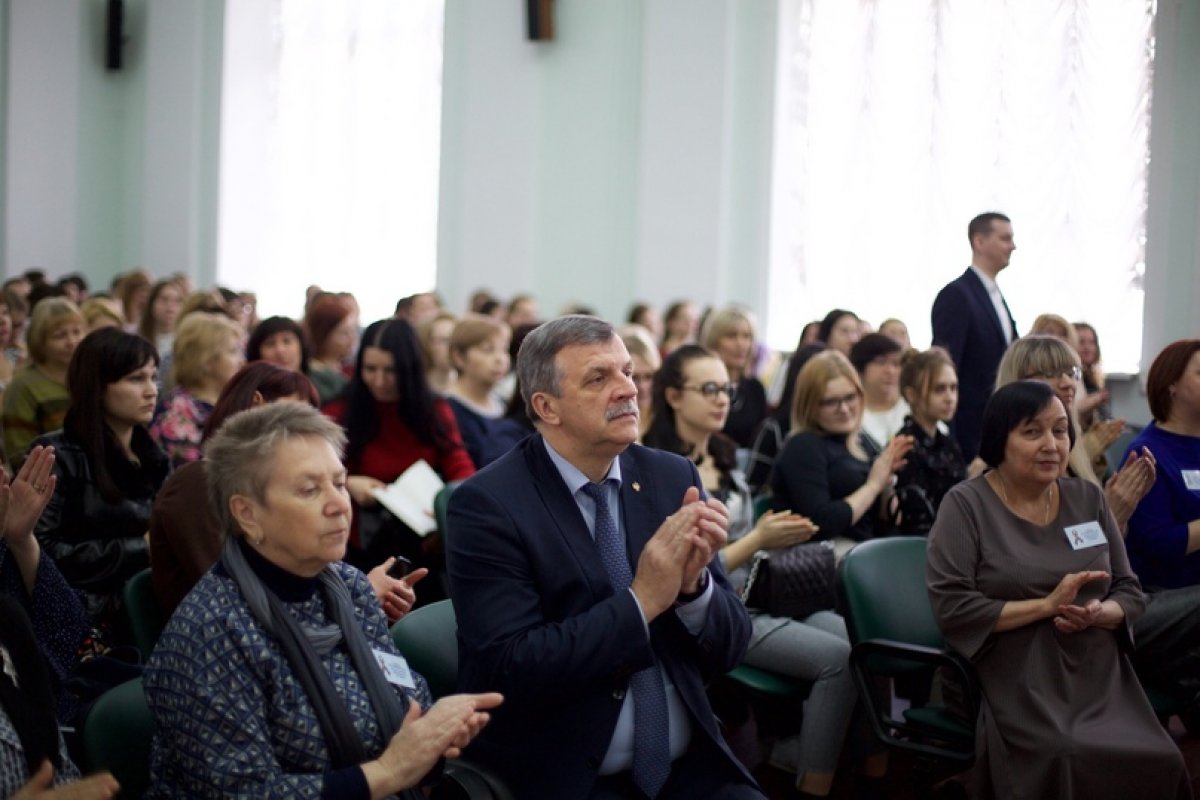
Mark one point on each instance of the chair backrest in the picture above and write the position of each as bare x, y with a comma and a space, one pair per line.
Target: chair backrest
117, 732
441, 505
146, 619
427, 637
882, 582
762, 504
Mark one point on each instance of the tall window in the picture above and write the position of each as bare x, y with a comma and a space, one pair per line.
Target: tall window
330, 138
896, 122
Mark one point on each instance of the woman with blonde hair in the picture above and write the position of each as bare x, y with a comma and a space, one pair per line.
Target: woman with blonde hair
37, 399
1051, 360
646, 362
102, 312
730, 333
208, 350
828, 470
1054, 325
1093, 404
479, 353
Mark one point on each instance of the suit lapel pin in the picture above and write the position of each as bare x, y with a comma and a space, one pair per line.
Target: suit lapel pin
637, 487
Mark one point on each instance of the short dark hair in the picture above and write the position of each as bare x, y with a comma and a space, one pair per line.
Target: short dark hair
1008, 407
74, 279
982, 224
271, 326
831, 319
871, 347
1165, 372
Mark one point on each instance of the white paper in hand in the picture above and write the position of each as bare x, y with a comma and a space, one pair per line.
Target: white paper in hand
410, 497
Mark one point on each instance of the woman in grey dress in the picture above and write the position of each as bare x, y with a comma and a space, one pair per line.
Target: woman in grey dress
1029, 580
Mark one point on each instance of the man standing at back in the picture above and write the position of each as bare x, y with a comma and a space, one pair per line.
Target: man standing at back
972, 321
585, 586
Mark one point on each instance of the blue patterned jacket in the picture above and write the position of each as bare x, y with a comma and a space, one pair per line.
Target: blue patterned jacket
231, 718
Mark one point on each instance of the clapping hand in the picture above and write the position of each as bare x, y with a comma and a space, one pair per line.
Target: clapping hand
1068, 617
1073, 619
890, 461
24, 499
779, 529
1129, 485
1101, 435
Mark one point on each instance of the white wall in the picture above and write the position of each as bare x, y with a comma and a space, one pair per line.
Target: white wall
627, 159
108, 170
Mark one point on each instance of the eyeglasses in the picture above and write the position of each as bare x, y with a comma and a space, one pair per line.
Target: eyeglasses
847, 400
711, 389
1074, 373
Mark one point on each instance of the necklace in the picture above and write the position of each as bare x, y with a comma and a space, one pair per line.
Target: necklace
1004, 494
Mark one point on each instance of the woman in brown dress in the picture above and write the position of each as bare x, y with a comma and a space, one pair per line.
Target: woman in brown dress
1029, 580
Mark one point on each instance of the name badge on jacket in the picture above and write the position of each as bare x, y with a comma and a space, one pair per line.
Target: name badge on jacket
1191, 479
395, 669
1084, 535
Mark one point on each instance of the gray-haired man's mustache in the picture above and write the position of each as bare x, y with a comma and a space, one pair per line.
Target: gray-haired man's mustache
627, 407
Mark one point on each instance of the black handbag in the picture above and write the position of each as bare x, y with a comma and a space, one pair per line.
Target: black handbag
795, 582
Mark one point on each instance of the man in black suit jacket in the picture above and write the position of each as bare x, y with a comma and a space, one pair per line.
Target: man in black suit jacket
972, 321
542, 615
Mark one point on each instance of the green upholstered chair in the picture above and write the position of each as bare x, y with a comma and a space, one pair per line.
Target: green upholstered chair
762, 504
441, 505
146, 619
428, 639
894, 636
116, 735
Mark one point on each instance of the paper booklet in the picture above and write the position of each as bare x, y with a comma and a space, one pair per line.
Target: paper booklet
410, 497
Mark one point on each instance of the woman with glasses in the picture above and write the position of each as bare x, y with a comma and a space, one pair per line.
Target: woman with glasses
828, 470
691, 399
729, 334
1052, 361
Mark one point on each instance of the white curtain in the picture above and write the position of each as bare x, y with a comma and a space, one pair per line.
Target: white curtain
897, 121
331, 124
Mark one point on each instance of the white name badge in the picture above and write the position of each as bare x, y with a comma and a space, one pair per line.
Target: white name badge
1191, 479
1084, 535
395, 669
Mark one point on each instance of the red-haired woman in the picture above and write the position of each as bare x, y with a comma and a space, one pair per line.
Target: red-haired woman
332, 327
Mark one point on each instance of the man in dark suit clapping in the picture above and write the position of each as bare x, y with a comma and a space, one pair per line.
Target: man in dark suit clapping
584, 579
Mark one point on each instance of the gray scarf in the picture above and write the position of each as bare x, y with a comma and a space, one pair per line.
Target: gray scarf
303, 645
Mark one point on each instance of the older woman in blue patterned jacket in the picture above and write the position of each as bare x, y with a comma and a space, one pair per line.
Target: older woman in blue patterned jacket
276, 676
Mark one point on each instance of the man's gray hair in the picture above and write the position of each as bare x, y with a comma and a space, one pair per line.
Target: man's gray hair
240, 455
537, 369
